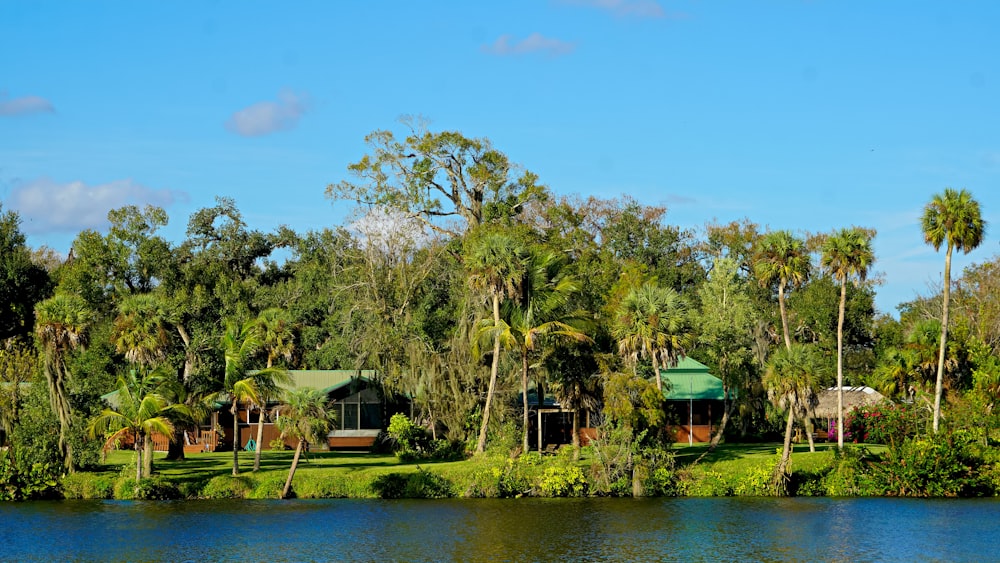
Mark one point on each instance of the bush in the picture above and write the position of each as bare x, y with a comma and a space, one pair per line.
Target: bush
21, 478
83, 485
503, 477
562, 481
227, 486
883, 424
939, 466
419, 484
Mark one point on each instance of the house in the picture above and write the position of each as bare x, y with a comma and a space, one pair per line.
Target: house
693, 395
361, 408
550, 424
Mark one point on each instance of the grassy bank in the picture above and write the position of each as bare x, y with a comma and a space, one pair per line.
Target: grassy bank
732, 469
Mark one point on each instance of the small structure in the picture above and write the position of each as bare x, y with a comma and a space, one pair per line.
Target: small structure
692, 393
357, 399
854, 397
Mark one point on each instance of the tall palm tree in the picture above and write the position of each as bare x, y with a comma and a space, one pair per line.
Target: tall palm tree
789, 378
61, 325
277, 339
305, 417
783, 259
140, 329
951, 218
496, 264
239, 342
847, 255
140, 333
651, 322
536, 315
141, 407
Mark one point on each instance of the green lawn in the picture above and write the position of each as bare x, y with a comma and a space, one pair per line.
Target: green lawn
731, 467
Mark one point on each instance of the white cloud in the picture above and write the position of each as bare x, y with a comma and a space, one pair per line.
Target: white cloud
24, 105
634, 8
268, 117
46, 206
534, 43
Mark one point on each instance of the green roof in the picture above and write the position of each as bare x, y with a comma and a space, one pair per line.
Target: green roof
328, 380
690, 379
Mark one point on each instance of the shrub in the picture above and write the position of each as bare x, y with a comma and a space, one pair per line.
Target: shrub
562, 481
939, 466
82, 485
227, 486
23, 479
419, 484
883, 424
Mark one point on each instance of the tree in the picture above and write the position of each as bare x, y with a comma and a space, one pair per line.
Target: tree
652, 322
789, 378
141, 407
496, 263
952, 218
140, 333
536, 314
306, 418
61, 326
434, 177
240, 343
22, 282
277, 339
846, 255
783, 259
726, 324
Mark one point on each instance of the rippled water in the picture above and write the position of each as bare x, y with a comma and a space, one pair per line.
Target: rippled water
727, 529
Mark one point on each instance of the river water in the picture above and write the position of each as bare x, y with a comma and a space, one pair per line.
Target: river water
716, 529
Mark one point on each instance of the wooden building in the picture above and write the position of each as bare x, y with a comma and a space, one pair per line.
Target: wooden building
694, 398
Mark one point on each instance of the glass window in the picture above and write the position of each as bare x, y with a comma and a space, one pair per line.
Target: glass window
371, 415
350, 420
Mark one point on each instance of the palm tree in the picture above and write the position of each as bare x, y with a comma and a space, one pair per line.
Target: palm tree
305, 417
789, 378
651, 322
61, 325
141, 407
277, 340
847, 254
140, 333
239, 342
783, 259
537, 314
140, 330
496, 264
952, 218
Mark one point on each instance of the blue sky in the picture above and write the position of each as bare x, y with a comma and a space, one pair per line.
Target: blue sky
802, 115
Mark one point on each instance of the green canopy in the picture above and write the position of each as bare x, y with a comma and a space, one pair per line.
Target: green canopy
690, 379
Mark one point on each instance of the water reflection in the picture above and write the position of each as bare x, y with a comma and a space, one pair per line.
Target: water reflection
502, 530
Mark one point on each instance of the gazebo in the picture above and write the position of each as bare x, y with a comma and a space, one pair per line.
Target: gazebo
693, 391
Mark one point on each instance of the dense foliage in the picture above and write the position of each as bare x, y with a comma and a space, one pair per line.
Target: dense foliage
467, 286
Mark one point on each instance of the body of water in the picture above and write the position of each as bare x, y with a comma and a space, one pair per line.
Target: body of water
716, 529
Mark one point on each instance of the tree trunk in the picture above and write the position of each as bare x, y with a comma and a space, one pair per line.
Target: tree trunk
175, 448
524, 400
717, 438
291, 471
939, 385
656, 372
784, 314
260, 436
188, 353
781, 471
481, 443
840, 363
808, 423
147, 457
576, 433
236, 439
138, 456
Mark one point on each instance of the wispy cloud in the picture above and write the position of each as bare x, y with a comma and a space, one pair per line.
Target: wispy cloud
627, 8
268, 117
24, 105
534, 43
47, 206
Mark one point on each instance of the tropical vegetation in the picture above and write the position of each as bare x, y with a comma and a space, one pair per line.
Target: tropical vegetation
471, 288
